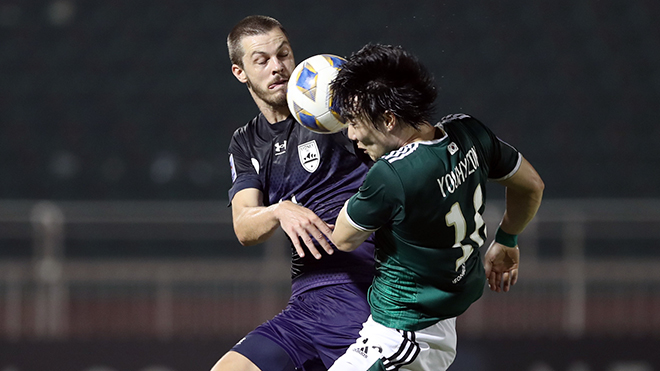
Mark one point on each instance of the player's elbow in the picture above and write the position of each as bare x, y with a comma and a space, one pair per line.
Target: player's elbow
247, 238
528, 184
532, 181
537, 187
345, 246
243, 239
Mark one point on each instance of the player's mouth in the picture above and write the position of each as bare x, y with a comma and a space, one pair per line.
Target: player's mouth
277, 84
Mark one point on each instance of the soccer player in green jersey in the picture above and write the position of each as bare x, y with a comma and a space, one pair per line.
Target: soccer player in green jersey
424, 198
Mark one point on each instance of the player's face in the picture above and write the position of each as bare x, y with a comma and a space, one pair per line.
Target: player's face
374, 141
267, 65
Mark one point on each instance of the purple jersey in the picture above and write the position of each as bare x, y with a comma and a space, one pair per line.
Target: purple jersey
319, 171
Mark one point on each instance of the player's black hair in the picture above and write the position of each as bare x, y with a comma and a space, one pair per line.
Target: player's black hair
380, 78
249, 26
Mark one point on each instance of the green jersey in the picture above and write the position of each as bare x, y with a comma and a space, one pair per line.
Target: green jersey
425, 203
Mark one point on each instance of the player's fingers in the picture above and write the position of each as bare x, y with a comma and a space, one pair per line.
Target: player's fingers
297, 246
297, 233
498, 282
487, 267
324, 229
310, 246
506, 281
514, 276
319, 233
325, 244
491, 282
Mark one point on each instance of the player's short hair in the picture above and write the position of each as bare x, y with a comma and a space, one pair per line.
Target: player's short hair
249, 26
380, 78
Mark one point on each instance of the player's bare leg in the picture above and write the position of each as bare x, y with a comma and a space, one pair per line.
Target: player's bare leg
234, 361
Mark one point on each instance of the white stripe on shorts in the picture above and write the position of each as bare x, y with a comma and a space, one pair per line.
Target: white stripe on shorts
430, 349
407, 352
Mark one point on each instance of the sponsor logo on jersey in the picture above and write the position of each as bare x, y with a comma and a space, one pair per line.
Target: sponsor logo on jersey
309, 156
460, 275
280, 148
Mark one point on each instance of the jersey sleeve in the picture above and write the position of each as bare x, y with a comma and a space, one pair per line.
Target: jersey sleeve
243, 172
378, 200
508, 163
503, 159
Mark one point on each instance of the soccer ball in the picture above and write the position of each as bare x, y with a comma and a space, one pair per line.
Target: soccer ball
308, 93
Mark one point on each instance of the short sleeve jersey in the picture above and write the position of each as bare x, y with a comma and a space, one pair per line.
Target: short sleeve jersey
425, 201
285, 161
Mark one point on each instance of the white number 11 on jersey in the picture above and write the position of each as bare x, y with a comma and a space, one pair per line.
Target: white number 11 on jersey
455, 218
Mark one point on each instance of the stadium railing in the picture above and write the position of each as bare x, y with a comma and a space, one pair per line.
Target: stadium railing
69, 270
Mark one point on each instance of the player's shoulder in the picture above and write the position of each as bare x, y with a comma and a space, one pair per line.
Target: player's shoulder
246, 129
400, 153
461, 125
255, 134
454, 118
461, 121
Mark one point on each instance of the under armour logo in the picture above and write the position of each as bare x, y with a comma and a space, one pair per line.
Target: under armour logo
280, 148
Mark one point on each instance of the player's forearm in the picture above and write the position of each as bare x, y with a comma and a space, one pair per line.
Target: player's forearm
524, 191
521, 207
345, 236
255, 225
345, 245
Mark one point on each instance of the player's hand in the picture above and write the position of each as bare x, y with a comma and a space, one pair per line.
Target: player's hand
501, 264
300, 223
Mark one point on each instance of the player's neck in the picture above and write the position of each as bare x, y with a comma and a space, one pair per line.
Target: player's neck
425, 132
273, 114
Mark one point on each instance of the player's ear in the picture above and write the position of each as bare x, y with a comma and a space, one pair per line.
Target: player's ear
239, 73
390, 120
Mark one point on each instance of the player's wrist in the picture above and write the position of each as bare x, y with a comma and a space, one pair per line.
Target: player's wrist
277, 210
506, 239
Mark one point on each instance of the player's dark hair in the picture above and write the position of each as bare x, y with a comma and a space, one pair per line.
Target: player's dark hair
249, 26
380, 78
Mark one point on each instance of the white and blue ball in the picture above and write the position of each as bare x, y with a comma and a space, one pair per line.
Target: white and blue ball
308, 93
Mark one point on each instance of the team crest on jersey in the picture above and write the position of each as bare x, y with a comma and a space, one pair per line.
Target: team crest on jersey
309, 156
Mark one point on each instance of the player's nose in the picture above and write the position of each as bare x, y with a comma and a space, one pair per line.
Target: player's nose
278, 65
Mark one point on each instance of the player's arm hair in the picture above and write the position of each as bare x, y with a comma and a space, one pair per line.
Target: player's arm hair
253, 222
345, 236
524, 191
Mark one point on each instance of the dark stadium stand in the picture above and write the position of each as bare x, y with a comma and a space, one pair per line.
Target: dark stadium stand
135, 100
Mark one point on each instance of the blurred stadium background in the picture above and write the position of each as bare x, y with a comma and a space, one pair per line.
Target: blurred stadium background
116, 246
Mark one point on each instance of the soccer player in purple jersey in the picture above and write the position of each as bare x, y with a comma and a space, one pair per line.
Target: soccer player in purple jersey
285, 176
